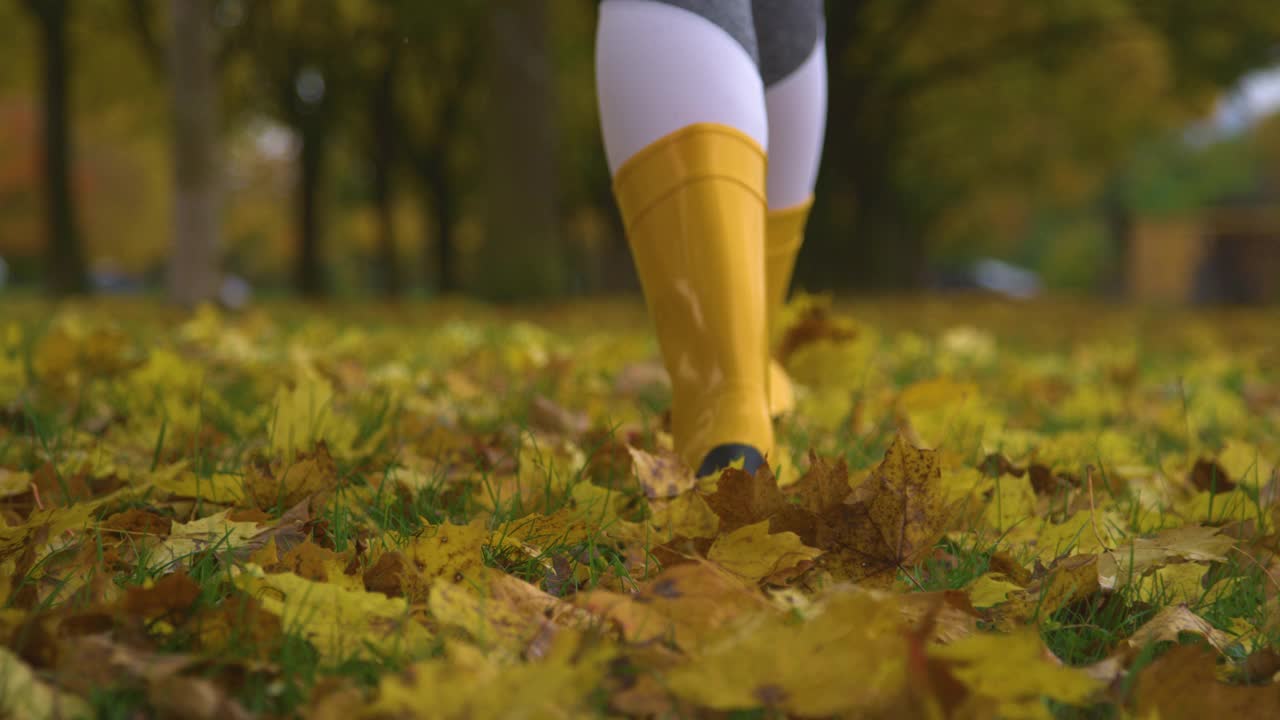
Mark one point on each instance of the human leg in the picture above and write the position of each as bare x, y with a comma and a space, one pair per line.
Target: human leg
683, 116
792, 50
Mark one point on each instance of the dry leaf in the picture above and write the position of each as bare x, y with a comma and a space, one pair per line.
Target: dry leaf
754, 555
1183, 684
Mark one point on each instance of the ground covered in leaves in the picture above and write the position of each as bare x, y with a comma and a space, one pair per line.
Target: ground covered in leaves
978, 509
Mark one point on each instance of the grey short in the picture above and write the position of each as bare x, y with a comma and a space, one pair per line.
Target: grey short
779, 34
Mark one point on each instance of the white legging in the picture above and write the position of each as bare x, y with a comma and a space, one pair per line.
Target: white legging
662, 65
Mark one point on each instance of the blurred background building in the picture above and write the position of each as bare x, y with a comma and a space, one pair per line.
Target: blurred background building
200, 148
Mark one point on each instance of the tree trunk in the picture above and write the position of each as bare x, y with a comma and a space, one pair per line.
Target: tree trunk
441, 222
384, 149
66, 273
193, 260
522, 254
310, 270
1118, 218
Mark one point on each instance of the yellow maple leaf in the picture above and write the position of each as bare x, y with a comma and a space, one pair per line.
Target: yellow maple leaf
445, 553
1134, 558
305, 414
1010, 675
213, 532
891, 519
340, 623
220, 487
467, 685
286, 485
804, 667
991, 589
754, 555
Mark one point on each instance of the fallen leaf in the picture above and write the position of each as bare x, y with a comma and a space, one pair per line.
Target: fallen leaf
1183, 684
685, 605
1069, 580
341, 624
661, 475
804, 668
1136, 557
24, 695
823, 486
1011, 675
1171, 622
991, 589
309, 474
687, 515
742, 499
176, 591
560, 685
754, 555
892, 518
213, 533
444, 553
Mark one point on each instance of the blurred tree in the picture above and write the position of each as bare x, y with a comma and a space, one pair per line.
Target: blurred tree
193, 255
440, 75
188, 63
65, 270
950, 121
301, 52
522, 252
383, 139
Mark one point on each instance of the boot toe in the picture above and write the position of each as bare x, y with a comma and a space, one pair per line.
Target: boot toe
721, 456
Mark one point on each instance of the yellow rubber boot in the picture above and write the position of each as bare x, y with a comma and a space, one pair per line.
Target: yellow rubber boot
694, 209
784, 233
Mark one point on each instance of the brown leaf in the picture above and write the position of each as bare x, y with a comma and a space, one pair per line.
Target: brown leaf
287, 532
1003, 562
310, 561
310, 473
385, 575
240, 622
891, 519
173, 592
136, 521
193, 697
942, 617
998, 464
743, 499
1209, 476
1261, 666
1069, 580
816, 324
1183, 684
1171, 622
1045, 481
685, 605
823, 486
610, 462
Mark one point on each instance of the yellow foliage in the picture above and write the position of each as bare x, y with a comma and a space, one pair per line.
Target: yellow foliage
1009, 675
210, 482
754, 555
342, 624
24, 695
804, 667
